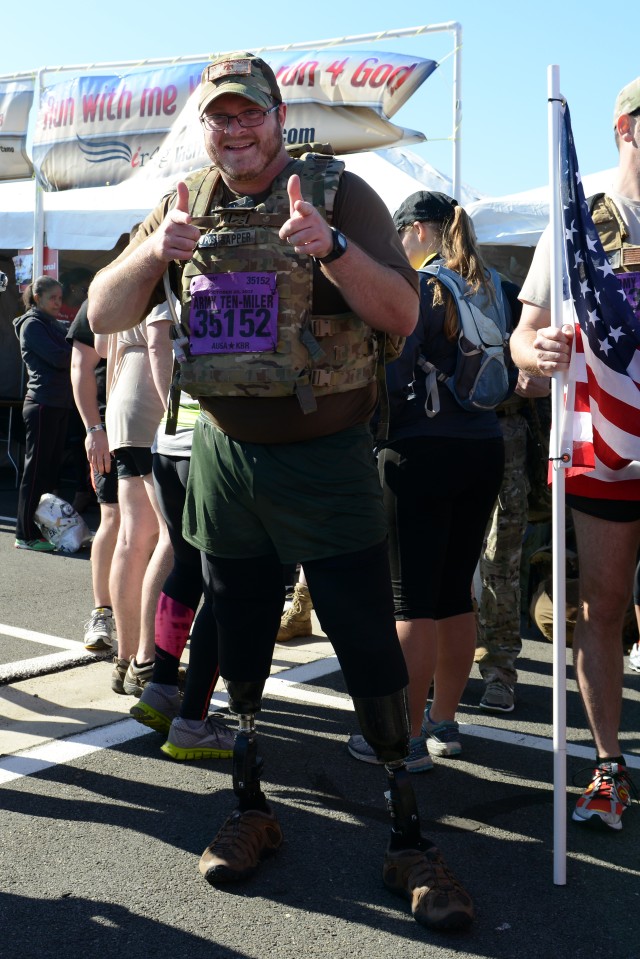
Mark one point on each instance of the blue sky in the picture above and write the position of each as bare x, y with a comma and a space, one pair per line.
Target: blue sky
506, 51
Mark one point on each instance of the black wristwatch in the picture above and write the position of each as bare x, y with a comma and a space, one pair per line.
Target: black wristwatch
339, 247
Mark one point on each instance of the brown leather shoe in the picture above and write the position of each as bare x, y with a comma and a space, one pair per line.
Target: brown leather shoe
437, 899
244, 840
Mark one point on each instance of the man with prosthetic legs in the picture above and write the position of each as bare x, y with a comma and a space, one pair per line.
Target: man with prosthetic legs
413, 867
291, 278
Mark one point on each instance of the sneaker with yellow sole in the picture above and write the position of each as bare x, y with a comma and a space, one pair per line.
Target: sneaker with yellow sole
210, 739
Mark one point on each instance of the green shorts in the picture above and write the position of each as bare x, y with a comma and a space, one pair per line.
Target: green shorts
303, 501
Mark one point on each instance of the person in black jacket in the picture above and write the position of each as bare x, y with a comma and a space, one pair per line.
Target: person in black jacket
47, 357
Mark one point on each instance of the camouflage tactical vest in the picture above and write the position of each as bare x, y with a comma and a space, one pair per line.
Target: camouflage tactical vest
314, 355
614, 235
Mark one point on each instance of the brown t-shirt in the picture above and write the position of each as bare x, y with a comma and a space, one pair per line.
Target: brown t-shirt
364, 219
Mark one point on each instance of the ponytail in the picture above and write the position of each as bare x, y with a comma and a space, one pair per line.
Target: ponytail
460, 253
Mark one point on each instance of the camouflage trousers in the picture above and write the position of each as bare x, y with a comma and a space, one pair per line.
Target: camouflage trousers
499, 642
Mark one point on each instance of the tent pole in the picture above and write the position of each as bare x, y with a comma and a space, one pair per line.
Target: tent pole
404, 33
38, 208
457, 108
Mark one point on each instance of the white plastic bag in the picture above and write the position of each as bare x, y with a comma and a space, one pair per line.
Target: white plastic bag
61, 524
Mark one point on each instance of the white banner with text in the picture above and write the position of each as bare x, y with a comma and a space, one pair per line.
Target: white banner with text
100, 130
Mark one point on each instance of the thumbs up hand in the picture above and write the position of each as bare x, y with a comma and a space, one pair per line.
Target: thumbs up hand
306, 230
176, 237
295, 194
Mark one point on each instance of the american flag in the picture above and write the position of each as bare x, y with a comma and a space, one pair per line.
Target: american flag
606, 361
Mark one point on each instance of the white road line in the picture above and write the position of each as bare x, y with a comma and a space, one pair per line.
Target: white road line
39, 758
60, 751
43, 638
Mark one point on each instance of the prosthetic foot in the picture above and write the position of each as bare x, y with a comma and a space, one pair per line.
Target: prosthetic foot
252, 832
413, 867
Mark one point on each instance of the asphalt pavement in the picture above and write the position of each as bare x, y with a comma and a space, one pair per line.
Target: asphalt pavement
101, 833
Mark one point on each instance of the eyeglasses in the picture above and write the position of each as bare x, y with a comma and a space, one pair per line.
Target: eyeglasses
219, 122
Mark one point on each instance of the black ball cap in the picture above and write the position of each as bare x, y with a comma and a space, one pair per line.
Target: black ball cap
424, 207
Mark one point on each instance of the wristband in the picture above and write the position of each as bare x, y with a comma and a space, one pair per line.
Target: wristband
95, 429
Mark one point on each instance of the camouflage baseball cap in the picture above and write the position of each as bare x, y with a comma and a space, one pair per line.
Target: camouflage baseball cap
627, 100
243, 74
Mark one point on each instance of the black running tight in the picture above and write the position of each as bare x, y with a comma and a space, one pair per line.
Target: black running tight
183, 588
353, 600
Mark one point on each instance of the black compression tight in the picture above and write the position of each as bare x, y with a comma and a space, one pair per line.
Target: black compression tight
182, 592
353, 600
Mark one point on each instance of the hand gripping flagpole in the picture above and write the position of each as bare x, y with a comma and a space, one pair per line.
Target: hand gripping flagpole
556, 452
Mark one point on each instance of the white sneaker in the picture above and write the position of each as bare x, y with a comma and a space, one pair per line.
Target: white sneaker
634, 658
99, 632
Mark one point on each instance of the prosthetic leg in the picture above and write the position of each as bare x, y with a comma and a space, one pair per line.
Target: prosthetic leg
252, 832
384, 721
413, 867
245, 699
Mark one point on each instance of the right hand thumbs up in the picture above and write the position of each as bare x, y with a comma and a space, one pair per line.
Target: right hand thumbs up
182, 199
177, 236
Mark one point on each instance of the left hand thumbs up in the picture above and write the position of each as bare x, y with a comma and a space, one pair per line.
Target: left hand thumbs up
306, 230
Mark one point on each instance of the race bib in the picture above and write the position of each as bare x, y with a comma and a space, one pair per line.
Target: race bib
233, 313
630, 283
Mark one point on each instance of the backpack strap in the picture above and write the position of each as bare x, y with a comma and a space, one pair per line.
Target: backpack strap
433, 377
202, 185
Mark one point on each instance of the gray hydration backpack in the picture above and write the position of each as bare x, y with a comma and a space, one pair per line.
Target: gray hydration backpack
481, 377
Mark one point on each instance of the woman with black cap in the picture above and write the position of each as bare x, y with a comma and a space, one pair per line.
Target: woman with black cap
441, 470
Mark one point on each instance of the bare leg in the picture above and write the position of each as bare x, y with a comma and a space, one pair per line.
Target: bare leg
418, 640
456, 644
443, 651
137, 538
102, 550
156, 573
607, 557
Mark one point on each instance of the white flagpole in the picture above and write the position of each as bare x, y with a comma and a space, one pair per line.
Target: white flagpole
558, 506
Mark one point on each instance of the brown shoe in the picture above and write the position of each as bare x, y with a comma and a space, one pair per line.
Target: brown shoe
296, 621
119, 671
244, 840
437, 898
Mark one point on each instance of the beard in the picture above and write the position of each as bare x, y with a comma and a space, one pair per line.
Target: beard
241, 166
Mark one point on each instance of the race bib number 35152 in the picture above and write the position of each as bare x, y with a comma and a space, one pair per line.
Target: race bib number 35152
233, 313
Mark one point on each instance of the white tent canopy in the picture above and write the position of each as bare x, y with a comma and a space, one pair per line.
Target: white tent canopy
95, 218
90, 219
519, 218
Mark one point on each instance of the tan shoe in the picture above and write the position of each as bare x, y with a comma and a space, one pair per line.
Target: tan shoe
296, 621
244, 840
437, 899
